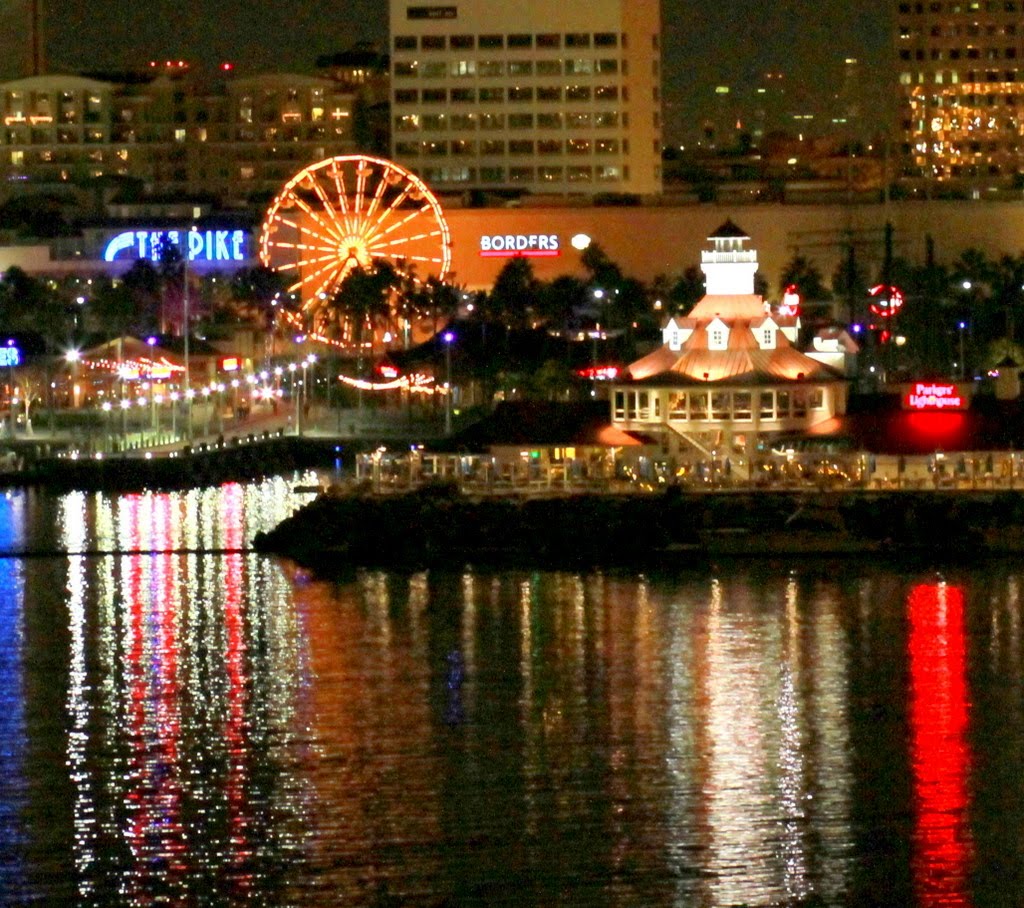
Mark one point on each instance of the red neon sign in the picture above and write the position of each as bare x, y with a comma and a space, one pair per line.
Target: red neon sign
599, 373
790, 305
230, 364
387, 371
888, 300
934, 396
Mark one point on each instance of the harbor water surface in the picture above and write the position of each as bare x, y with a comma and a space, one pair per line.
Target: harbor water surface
184, 721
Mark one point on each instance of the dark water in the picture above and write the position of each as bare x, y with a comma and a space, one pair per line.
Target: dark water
193, 729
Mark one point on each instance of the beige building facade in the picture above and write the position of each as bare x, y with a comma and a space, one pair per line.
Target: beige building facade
523, 95
179, 133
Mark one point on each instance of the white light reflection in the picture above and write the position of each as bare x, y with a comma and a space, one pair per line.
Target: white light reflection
739, 782
166, 711
74, 538
791, 761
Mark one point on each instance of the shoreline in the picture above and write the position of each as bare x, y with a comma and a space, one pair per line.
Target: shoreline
439, 525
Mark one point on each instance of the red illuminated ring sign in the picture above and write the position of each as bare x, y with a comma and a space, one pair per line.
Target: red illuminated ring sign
888, 300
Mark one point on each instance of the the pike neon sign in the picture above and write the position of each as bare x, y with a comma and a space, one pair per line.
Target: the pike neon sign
203, 245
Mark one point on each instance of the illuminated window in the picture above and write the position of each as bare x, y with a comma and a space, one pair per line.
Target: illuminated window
17, 158
179, 135
698, 405
741, 405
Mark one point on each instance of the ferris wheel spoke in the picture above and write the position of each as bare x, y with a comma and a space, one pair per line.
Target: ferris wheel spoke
290, 266
412, 214
301, 203
407, 258
331, 262
406, 239
305, 247
378, 194
332, 242
373, 232
362, 172
339, 188
328, 206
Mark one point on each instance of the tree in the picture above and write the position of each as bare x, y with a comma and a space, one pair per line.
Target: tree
849, 282
21, 297
515, 294
604, 273
560, 300
142, 281
260, 297
688, 290
113, 307
363, 301
805, 275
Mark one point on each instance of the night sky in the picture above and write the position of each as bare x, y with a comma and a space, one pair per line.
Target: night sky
705, 43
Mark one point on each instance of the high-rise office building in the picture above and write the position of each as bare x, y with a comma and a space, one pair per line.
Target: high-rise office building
528, 95
961, 88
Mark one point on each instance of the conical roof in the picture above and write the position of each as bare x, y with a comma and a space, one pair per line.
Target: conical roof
729, 231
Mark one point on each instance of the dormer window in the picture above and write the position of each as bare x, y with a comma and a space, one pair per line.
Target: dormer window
767, 338
718, 335
675, 342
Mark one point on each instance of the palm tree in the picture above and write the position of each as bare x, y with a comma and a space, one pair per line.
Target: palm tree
803, 273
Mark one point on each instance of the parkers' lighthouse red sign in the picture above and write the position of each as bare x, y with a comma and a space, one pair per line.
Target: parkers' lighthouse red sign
935, 396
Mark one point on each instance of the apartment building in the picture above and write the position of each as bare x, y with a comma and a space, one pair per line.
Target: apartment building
961, 88
181, 133
524, 95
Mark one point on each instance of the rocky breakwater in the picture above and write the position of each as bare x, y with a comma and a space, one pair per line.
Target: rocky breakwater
440, 525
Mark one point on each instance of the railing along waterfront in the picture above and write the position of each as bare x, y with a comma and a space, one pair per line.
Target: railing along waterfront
386, 472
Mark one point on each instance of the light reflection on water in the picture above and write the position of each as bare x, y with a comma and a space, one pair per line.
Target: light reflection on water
189, 728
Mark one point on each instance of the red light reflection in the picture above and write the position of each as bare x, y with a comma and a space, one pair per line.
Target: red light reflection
941, 757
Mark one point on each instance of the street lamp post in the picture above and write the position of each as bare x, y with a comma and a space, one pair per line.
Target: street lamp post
186, 301
963, 325
449, 338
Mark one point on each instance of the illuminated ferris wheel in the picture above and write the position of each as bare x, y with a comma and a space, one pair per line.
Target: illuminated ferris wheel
352, 211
